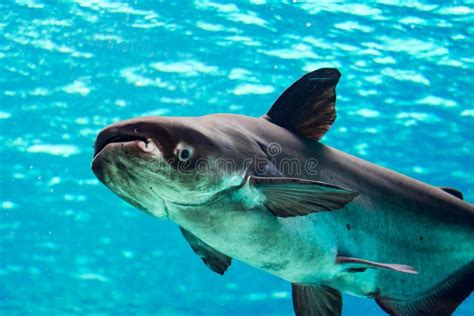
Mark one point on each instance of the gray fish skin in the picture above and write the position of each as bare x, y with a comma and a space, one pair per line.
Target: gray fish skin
394, 219
337, 224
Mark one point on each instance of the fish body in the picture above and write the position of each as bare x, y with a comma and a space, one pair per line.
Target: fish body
267, 192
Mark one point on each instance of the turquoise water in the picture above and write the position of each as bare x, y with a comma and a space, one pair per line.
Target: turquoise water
70, 246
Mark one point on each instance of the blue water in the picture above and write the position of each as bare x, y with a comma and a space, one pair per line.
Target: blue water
70, 246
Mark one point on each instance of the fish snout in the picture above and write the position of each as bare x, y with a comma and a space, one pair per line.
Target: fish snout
123, 146
126, 134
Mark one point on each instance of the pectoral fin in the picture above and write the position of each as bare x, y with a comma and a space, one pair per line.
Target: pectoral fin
286, 197
216, 261
361, 263
316, 301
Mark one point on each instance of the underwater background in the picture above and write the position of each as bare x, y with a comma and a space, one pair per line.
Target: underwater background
68, 245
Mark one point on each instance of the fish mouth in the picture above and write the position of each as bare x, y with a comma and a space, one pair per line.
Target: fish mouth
119, 150
102, 143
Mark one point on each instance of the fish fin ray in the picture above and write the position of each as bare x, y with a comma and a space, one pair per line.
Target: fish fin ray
441, 300
287, 197
316, 301
307, 107
372, 264
213, 259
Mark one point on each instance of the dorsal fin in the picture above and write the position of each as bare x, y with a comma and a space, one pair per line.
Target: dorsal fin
453, 192
307, 107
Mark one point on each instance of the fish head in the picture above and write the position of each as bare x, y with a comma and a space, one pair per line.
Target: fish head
154, 162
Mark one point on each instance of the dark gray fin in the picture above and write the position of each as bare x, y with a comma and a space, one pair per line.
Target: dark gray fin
361, 263
216, 261
286, 197
453, 192
308, 106
316, 301
441, 300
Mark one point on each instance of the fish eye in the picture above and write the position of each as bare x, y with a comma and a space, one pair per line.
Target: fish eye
184, 153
